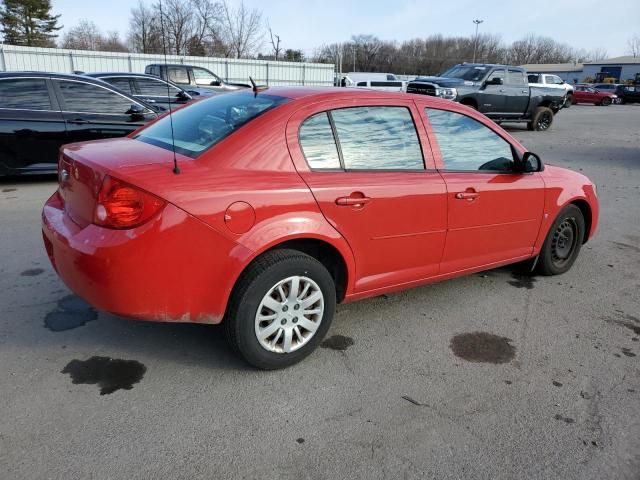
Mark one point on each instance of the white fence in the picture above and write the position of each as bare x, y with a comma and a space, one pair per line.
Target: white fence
264, 72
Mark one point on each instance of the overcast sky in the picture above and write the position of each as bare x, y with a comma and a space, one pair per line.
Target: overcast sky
307, 24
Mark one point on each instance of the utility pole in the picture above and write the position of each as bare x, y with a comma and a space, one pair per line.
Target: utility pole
354, 58
475, 42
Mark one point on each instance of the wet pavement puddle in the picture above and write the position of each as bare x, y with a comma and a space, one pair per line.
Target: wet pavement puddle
71, 312
110, 374
337, 342
483, 347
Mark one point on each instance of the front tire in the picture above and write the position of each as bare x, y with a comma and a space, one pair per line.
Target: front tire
563, 242
605, 102
568, 102
281, 309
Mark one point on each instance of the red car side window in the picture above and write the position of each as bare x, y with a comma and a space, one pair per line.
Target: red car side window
318, 144
467, 145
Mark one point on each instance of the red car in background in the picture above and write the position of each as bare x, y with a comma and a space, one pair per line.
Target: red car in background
585, 94
290, 200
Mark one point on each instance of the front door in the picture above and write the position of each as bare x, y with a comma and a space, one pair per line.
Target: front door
491, 98
495, 213
365, 167
92, 112
158, 93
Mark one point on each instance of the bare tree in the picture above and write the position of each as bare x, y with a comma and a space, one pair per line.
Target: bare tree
144, 30
242, 29
634, 45
275, 43
87, 36
84, 36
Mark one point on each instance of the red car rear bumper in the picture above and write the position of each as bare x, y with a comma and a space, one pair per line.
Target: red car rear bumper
174, 268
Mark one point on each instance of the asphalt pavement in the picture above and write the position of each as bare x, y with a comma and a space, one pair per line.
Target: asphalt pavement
400, 390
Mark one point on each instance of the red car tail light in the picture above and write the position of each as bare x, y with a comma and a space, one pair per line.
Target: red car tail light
121, 205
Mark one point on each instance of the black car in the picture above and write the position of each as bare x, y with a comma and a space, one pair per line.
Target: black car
151, 90
39, 112
628, 93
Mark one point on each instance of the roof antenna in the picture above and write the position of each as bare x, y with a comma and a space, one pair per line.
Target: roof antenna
176, 170
254, 87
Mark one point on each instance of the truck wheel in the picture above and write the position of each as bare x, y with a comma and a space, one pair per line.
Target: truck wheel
281, 309
568, 102
563, 242
605, 102
542, 119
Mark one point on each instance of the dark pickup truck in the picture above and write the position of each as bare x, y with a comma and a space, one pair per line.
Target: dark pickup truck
501, 92
191, 77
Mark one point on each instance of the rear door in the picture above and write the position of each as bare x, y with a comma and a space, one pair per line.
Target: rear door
494, 212
32, 128
94, 111
366, 169
516, 91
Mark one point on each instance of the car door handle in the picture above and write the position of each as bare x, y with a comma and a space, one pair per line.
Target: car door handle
525, 91
352, 201
467, 195
79, 121
501, 90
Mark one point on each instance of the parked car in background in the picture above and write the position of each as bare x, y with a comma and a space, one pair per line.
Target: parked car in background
375, 81
501, 92
292, 199
609, 88
190, 77
551, 81
628, 93
584, 94
40, 112
152, 90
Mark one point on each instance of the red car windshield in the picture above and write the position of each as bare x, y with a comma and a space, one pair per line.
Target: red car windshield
198, 127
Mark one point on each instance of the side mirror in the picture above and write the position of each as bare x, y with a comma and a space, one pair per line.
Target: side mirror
183, 96
135, 110
215, 83
494, 81
531, 163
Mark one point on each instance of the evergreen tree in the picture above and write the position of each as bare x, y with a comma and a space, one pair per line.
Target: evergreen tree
28, 22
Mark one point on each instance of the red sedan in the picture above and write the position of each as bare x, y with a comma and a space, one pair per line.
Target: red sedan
289, 200
584, 94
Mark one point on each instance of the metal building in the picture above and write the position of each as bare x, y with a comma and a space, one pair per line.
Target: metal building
622, 69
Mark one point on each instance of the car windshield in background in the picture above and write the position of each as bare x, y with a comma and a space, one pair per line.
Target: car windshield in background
200, 126
472, 74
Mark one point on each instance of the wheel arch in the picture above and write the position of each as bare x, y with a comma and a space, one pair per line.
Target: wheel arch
470, 102
333, 253
585, 208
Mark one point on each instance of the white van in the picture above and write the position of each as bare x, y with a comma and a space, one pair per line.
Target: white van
375, 81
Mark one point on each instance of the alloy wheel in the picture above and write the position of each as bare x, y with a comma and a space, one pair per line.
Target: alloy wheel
289, 314
544, 121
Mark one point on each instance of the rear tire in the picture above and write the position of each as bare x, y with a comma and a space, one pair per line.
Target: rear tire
542, 119
563, 242
605, 102
280, 310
